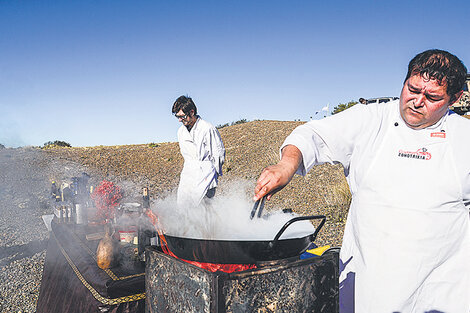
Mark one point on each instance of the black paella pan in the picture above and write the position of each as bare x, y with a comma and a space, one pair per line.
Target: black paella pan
244, 251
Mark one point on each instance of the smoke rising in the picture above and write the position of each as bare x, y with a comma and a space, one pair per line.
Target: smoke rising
10, 133
226, 217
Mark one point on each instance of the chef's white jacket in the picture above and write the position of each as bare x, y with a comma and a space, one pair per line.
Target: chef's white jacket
406, 246
204, 155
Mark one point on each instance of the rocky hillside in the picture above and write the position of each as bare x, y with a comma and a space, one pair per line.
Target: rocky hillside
250, 147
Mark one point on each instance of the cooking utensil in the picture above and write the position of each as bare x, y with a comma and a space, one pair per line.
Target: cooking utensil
243, 251
258, 207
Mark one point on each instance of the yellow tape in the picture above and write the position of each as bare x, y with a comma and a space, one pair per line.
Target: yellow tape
319, 251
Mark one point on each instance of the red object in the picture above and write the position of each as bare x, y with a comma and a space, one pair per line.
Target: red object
212, 267
106, 197
227, 268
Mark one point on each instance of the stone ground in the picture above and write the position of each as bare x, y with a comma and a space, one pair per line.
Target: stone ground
25, 178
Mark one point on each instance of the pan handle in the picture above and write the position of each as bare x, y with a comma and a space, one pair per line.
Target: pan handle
296, 219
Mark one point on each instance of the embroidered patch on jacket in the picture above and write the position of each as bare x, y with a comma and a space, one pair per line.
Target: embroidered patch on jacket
439, 135
420, 154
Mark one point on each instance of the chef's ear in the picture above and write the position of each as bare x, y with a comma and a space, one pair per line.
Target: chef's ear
456, 98
191, 113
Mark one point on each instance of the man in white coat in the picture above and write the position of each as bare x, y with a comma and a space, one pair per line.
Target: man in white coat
406, 246
203, 153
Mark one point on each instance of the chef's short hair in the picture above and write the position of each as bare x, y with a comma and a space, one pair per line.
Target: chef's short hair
184, 103
441, 65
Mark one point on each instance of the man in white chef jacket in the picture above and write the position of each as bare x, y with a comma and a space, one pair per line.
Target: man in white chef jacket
203, 153
406, 246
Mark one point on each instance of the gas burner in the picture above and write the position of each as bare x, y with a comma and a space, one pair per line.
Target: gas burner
283, 285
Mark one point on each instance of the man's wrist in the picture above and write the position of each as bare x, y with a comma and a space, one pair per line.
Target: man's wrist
291, 159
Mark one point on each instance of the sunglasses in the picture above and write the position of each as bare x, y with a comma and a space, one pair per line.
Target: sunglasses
181, 117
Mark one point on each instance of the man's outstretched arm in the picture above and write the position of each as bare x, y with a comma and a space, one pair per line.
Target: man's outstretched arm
275, 177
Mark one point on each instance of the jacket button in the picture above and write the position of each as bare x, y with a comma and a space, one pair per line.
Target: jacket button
396, 124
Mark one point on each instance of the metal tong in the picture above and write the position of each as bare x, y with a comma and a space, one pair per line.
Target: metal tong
259, 205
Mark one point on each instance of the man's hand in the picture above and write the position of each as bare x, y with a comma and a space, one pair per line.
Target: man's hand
275, 177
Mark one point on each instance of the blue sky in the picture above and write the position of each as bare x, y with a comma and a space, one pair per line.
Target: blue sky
107, 72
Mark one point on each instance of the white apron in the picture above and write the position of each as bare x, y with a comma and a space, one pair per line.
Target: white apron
195, 178
406, 243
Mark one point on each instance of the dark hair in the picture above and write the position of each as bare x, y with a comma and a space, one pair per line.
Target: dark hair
184, 103
441, 65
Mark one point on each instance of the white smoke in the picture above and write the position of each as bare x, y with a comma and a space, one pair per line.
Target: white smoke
10, 134
226, 218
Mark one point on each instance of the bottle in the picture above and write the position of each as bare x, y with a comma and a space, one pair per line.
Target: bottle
63, 209
77, 200
146, 231
90, 210
91, 203
80, 214
60, 215
54, 191
55, 194
145, 199
75, 186
70, 212
141, 237
62, 206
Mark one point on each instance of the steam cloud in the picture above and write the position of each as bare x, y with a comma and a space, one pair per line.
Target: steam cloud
226, 218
